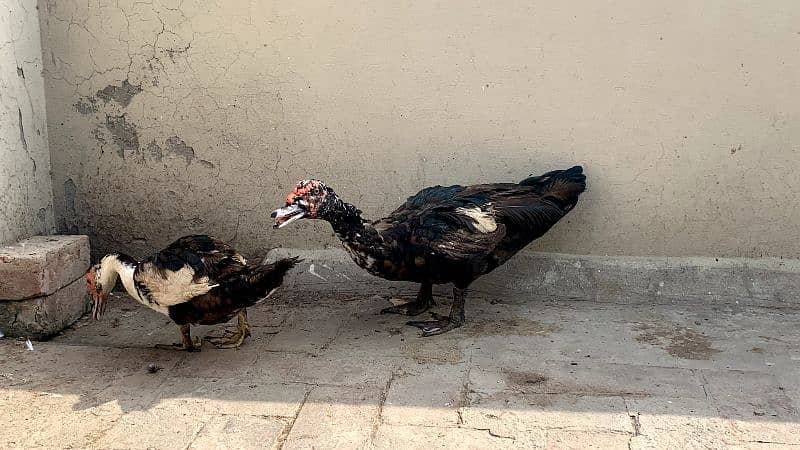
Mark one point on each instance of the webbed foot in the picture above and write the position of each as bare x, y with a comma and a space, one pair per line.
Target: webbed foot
442, 324
414, 308
232, 339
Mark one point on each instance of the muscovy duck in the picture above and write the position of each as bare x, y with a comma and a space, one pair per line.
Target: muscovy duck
451, 234
195, 280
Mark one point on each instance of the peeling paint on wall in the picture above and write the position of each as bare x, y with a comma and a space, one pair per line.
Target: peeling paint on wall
123, 133
178, 147
86, 105
122, 94
155, 150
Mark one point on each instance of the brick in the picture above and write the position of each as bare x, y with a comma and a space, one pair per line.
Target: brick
41, 265
41, 317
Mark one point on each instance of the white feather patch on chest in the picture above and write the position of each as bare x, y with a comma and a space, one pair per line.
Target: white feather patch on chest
484, 222
177, 287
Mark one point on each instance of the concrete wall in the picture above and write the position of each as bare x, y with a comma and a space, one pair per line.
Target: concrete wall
26, 204
195, 116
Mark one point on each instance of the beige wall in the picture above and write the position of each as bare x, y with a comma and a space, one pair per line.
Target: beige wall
197, 116
26, 203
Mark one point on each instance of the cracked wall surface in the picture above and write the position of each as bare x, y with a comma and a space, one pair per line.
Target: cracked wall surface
188, 116
26, 204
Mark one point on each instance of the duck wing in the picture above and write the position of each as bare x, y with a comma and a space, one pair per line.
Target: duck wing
187, 268
537, 203
422, 199
461, 222
460, 227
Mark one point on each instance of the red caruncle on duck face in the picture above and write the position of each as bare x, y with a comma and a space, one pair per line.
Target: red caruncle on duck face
99, 297
302, 202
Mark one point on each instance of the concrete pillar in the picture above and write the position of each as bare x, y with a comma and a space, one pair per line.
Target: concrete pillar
26, 196
41, 286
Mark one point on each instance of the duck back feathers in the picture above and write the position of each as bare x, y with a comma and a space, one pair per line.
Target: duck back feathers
242, 290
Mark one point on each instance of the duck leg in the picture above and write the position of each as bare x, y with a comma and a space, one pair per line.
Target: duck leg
443, 324
423, 302
186, 341
235, 339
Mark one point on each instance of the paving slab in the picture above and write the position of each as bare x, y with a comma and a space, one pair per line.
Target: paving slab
426, 395
222, 432
229, 397
158, 427
424, 438
332, 369
40, 419
346, 416
515, 415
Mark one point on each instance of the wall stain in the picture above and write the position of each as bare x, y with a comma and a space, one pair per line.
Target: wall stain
525, 378
86, 105
122, 94
678, 341
42, 216
155, 150
69, 200
178, 147
123, 133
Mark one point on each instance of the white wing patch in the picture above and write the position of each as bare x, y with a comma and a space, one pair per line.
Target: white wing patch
177, 287
484, 222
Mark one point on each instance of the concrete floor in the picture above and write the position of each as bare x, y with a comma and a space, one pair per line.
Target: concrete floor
325, 371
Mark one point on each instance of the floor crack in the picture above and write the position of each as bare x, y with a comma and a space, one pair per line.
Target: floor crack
384, 394
637, 426
288, 428
196, 435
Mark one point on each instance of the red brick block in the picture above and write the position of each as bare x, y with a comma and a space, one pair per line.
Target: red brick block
42, 265
42, 317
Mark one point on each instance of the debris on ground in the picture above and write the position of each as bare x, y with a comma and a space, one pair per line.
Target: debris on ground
29, 344
152, 368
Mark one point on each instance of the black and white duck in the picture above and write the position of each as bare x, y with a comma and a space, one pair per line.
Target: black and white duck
195, 280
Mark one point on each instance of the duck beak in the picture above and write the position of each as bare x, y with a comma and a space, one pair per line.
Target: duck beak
100, 300
288, 214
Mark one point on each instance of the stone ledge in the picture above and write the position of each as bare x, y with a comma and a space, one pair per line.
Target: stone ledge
722, 282
42, 265
42, 317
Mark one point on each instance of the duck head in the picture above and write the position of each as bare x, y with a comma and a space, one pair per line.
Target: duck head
307, 200
100, 281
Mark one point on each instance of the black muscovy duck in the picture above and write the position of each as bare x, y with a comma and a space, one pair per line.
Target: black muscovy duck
195, 280
451, 234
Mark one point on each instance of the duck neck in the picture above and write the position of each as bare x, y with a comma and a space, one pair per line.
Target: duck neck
119, 266
348, 224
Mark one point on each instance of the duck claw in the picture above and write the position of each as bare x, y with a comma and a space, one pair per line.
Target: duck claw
234, 339
441, 325
408, 309
195, 347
